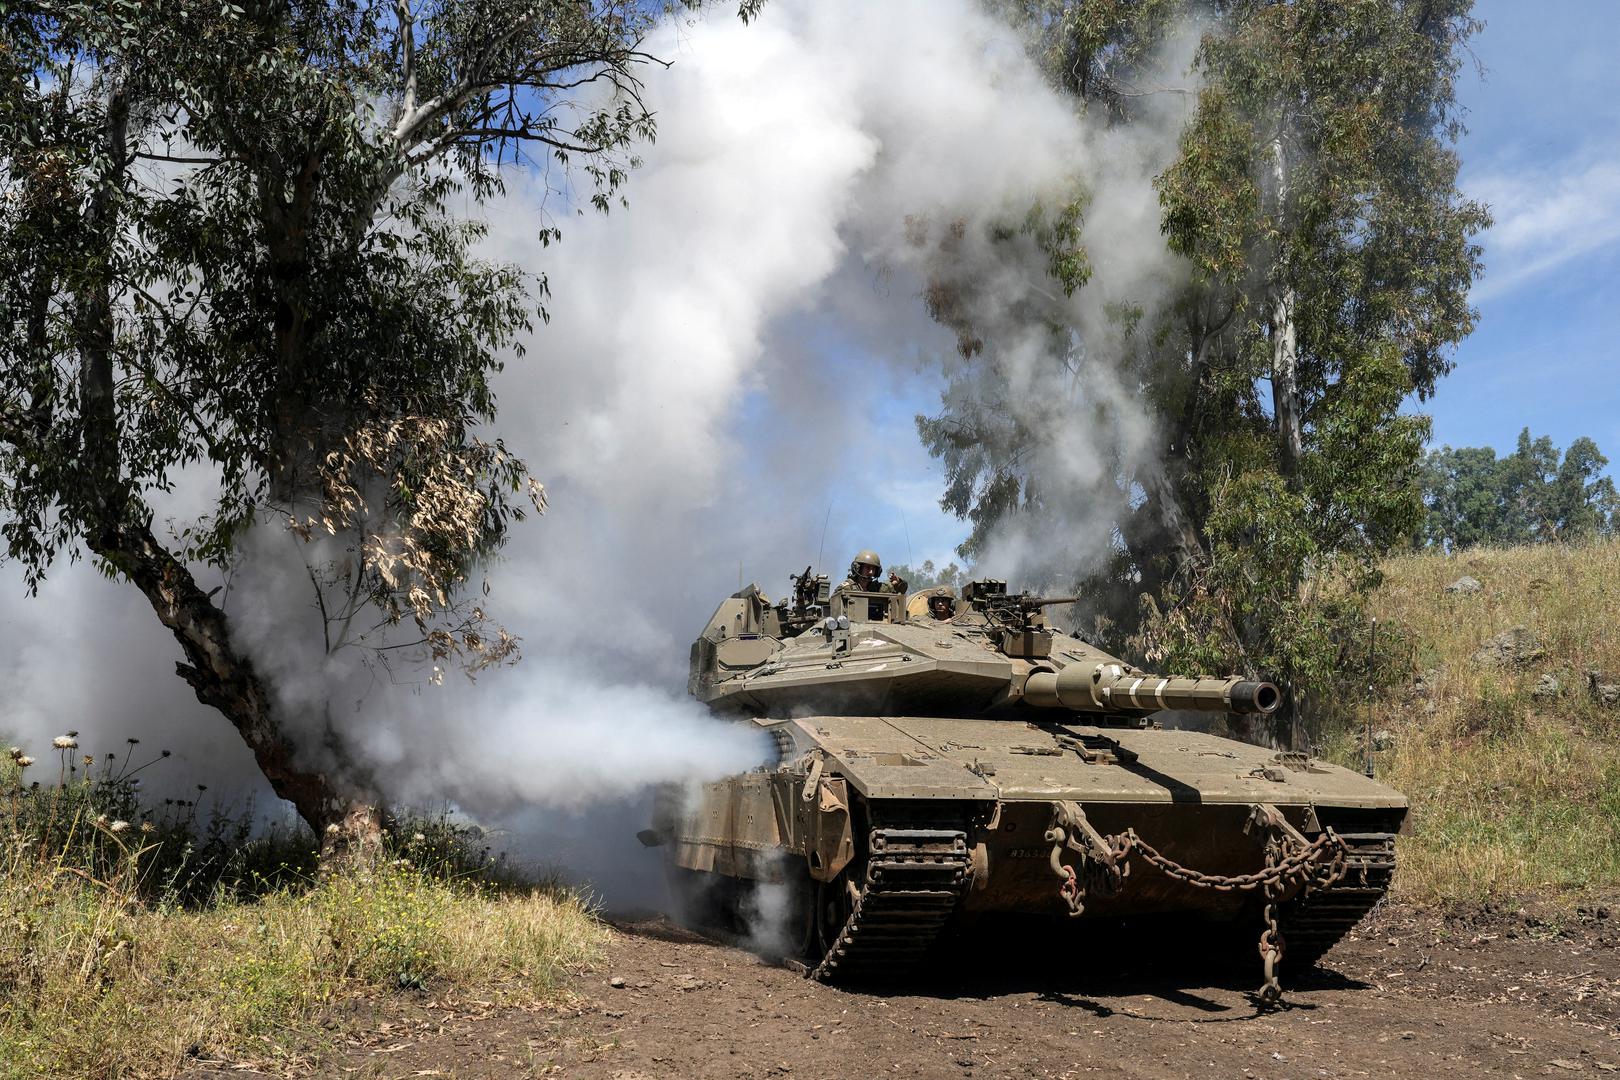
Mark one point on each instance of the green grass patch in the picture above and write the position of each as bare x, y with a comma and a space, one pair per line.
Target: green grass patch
130, 944
1512, 792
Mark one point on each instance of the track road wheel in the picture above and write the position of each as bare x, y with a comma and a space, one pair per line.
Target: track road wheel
821, 910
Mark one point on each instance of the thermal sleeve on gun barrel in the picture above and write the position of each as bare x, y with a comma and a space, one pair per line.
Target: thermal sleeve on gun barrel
1113, 689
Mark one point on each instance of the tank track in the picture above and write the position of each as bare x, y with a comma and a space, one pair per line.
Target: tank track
1313, 925
915, 877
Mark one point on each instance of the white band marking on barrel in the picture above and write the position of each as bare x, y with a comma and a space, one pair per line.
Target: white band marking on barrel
1131, 693
1158, 691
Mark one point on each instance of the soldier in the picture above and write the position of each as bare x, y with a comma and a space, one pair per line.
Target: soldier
863, 576
942, 606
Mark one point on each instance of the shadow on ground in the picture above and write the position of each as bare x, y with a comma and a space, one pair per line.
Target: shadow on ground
1092, 966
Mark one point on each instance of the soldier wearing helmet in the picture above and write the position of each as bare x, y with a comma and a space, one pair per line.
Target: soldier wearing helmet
864, 572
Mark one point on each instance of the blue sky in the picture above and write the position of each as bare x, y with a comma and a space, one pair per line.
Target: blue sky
1543, 149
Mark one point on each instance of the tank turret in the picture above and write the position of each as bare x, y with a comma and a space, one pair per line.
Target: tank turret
850, 651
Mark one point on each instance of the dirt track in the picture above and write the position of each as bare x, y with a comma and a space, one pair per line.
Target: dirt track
1497, 994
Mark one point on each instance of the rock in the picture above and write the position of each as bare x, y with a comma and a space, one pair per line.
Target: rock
617, 982
1383, 739
1423, 685
1465, 585
1510, 648
1546, 687
1604, 693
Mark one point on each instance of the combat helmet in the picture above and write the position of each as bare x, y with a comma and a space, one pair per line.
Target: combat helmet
866, 557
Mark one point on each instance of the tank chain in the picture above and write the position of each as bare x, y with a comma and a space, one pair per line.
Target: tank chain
915, 877
1104, 861
1318, 864
1295, 867
1271, 939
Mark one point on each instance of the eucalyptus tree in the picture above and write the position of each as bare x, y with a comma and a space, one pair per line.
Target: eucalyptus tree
1328, 255
226, 247
1534, 495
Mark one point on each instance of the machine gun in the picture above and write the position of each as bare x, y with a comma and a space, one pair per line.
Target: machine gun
811, 591
1023, 612
1018, 612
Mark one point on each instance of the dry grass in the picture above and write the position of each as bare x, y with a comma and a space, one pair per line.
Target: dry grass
1510, 793
100, 977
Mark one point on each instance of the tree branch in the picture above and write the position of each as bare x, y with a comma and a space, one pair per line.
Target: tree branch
147, 155
407, 37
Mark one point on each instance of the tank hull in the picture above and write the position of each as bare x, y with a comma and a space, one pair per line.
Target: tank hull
891, 828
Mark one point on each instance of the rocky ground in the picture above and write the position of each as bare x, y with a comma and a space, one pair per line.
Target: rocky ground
1500, 992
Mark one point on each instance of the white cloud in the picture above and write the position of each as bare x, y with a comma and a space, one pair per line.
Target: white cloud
1547, 217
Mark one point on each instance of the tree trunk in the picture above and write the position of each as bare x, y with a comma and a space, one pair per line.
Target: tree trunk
1184, 540
1284, 335
1285, 381
341, 809
342, 812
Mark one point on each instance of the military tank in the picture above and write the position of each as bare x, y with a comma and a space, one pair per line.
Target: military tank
973, 760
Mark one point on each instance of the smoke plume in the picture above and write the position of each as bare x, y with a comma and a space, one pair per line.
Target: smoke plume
730, 373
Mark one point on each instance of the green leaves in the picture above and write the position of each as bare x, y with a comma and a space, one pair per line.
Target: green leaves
1210, 196
284, 271
267, 263
1532, 495
1313, 197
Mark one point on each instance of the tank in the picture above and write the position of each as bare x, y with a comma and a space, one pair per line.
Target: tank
931, 772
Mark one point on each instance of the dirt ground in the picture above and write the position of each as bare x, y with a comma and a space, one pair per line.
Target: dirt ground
1503, 992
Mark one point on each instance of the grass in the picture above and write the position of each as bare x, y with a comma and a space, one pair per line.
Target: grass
1511, 793
133, 942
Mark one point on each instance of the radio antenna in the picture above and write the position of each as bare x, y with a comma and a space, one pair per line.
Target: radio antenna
1372, 658
820, 551
911, 560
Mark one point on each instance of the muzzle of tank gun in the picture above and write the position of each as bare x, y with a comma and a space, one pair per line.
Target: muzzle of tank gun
1109, 688
1261, 698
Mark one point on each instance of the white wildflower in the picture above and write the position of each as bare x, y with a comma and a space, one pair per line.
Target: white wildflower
23, 761
418, 837
119, 826
65, 742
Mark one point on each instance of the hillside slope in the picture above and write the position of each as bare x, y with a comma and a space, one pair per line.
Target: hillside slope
1512, 759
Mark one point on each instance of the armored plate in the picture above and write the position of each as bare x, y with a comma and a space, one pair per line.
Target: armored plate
948, 758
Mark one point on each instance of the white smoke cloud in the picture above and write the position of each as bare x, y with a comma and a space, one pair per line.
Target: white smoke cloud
716, 385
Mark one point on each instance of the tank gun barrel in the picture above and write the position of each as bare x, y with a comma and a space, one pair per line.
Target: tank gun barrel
1110, 688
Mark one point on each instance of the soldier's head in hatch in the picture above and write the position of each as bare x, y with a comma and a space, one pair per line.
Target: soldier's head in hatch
865, 569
